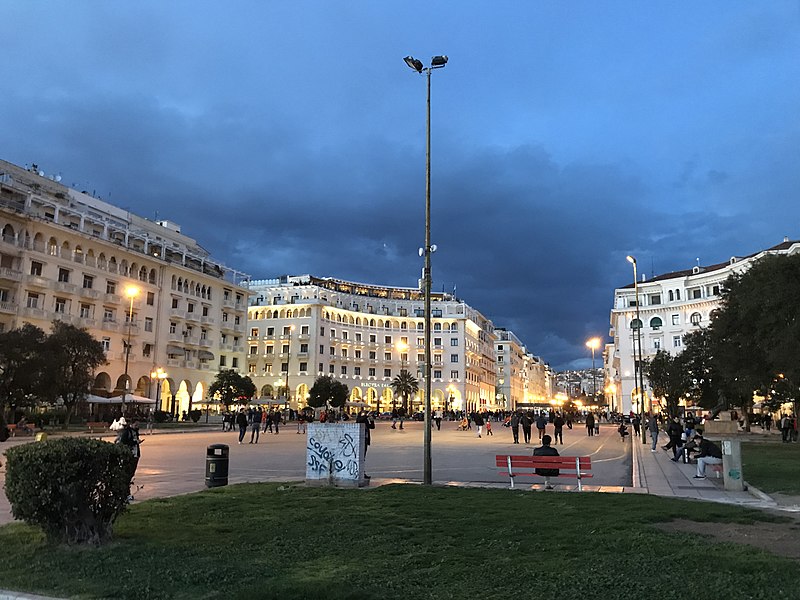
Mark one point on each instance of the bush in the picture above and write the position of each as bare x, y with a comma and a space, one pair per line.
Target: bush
73, 488
195, 414
161, 416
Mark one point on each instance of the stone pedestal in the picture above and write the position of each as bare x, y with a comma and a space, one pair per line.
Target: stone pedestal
732, 465
335, 454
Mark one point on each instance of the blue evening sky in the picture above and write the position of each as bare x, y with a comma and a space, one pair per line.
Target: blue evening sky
289, 137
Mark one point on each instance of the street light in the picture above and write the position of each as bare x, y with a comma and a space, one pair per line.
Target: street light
288, 359
437, 62
593, 344
638, 366
402, 349
131, 292
158, 375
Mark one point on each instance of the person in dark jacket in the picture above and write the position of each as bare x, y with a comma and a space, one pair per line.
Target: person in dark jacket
514, 422
369, 423
241, 421
525, 421
477, 418
546, 450
710, 454
590, 424
558, 428
674, 431
541, 424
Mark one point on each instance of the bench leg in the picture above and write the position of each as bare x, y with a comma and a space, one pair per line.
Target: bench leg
510, 473
578, 472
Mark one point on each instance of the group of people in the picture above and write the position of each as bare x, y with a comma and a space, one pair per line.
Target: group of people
525, 420
256, 419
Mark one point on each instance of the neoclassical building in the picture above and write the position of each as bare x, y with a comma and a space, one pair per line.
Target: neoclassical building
670, 306
301, 327
67, 256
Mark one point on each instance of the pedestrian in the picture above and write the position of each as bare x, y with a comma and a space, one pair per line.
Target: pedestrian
652, 427
369, 423
636, 422
786, 428
674, 431
128, 436
489, 427
151, 418
710, 454
264, 417
241, 421
558, 428
478, 419
546, 450
514, 422
301, 422
255, 424
395, 416
526, 422
401, 414
541, 424
590, 424
437, 417
767, 421
276, 419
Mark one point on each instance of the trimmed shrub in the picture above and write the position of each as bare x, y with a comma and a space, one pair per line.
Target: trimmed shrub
195, 415
161, 416
73, 488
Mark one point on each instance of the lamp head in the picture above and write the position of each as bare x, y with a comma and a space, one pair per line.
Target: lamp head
593, 343
630, 259
438, 61
131, 291
414, 63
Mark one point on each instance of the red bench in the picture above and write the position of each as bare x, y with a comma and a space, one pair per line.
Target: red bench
578, 467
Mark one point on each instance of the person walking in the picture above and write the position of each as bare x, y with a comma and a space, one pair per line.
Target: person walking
395, 416
514, 422
786, 429
477, 418
558, 428
526, 422
241, 421
255, 424
652, 427
636, 422
546, 450
590, 424
437, 417
541, 424
674, 431
489, 427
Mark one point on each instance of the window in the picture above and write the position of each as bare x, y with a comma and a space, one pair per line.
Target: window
319, 370
676, 341
454, 342
372, 338
148, 324
284, 367
106, 342
655, 299
344, 335
387, 339
371, 371
111, 287
36, 267
358, 353
303, 367
420, 358
358, 336
344, 370
303, 348
373, 355
151, 298
285, 349
715, 290
387, 372
356, 370
146, 350
321, 349
86, 311
333, 333
501, 359
330, 369
304, 330
437, 341
420, 342
61, 305
173, 328
270, 331
454, 358
205, 311
671, 296
237, 320
270, 350
636, 324
254, 332
108, 314
190, 307
251, 368
332, 351
657, 344
63, 275
174, 303
387, 356
88, 282
677, 294
253, 350
453, 374
437, 374
344, 352
696, 294
676, 319
287, 329
322, 331
695, 319
656, 323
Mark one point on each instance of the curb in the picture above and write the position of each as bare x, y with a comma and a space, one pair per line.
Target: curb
757, 493
9, 595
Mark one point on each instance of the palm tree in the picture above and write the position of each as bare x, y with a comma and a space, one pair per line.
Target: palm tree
405, 384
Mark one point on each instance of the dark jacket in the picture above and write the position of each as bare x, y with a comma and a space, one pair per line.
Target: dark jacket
368, 424
541, 422
241, 419
546, 451
709, 448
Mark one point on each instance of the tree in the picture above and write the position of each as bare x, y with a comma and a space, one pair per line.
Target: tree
20, 364
72, 355
701, 373
229, 387
668, 378
327, 390
405, 385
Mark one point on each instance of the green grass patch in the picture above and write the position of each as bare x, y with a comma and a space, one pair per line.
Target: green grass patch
772, 466
402, 541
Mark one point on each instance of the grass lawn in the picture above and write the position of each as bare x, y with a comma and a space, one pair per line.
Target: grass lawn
405, 542
772, 466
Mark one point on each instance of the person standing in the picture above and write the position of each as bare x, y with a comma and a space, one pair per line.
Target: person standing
369, 423
636, 422
674, 431
546, 450
241, 421
395, 416
541, 424
786, 429
526, 422
489, 427
590, 424
477, 418
514, 422
558, 428
437, 417
652, 427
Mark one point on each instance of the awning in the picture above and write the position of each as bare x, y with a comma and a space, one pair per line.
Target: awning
173, 349
205, 355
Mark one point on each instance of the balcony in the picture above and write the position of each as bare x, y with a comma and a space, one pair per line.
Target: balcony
90, 293
176, 313
175, 337
205, 342
207, 320
31, 311
192, 340
109, 325
63, 286
37, 281
8, 307
204, 366
113, 298
192, 316
10, 274
228, 304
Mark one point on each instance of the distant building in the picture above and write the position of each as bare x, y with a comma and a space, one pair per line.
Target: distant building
67, 256
671, 305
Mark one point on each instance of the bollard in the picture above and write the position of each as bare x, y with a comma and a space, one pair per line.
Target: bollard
732, 465
41, 436
217, 459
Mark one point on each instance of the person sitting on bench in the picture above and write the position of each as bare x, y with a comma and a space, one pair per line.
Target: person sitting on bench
546, 450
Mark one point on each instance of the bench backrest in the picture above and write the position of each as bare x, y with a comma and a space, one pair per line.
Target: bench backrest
554, 462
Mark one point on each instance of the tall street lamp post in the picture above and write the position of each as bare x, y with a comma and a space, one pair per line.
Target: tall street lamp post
131, 292
593, 344
402, 349
638, 366
437, 62
158, 375
288, 366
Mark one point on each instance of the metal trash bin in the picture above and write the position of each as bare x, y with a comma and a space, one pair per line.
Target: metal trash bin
217, 459
41, 436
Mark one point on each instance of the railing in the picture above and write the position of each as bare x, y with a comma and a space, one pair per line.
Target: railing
6, 273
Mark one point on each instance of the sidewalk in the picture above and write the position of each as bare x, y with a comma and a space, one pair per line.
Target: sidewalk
654, 473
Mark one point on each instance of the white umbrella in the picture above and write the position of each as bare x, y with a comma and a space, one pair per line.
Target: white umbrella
361, 404
132, 399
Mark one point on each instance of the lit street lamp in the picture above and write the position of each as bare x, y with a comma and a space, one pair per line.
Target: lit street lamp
158, 375
638, 366
131, 292
437, 62
288, 366
593, 344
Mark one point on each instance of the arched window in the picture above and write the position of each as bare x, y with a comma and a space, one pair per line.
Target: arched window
656, 323
636, 324
671, 296
696, 318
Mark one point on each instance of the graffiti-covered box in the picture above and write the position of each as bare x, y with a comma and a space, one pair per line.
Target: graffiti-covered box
335, 454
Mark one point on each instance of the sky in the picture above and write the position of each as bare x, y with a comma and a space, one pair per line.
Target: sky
288, 137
